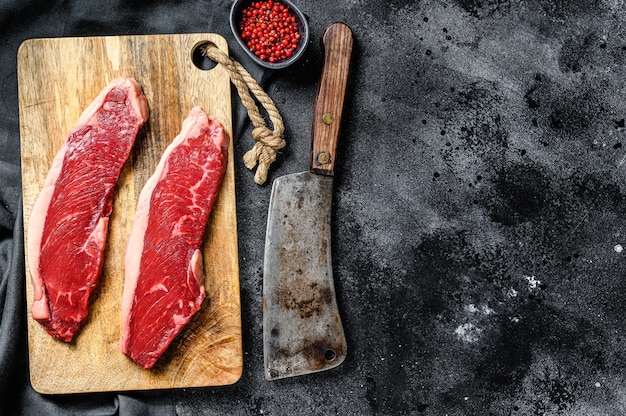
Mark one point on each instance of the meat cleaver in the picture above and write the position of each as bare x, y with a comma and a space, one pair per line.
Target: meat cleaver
302, 330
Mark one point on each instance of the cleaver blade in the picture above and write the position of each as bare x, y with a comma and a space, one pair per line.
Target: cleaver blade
302, 329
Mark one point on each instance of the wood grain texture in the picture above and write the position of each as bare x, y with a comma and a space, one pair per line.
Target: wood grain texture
57, 79
337, 42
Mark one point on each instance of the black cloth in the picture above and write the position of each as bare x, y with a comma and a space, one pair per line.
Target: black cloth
21, 20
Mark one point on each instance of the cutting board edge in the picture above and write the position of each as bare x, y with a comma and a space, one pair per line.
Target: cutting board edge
38, 383
130, 35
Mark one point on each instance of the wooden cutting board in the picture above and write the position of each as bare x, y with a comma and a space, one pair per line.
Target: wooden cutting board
57, 79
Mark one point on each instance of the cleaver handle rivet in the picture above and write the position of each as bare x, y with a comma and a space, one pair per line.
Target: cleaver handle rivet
323, 158
328, 118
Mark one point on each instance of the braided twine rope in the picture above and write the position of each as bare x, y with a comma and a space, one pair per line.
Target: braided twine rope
267, 142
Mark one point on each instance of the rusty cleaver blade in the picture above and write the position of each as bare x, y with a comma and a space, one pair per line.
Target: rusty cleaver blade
302, 330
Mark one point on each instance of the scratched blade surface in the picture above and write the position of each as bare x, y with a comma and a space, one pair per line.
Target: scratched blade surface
302, 330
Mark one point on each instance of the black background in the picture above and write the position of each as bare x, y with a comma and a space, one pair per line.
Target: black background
479, 208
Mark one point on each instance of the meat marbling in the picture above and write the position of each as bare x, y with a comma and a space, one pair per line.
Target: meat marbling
68, 224
164, 278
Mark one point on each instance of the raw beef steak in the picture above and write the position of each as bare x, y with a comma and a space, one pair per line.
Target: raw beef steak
68, 224
164, 277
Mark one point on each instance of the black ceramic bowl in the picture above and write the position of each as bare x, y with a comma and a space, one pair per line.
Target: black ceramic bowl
303, 28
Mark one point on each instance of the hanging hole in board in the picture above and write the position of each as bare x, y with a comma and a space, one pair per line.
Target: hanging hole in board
199, 59
329, 355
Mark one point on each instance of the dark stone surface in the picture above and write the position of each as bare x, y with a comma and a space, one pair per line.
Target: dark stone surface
479, 215
479, 210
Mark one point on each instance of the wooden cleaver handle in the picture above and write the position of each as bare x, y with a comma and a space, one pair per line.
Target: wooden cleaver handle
331, 90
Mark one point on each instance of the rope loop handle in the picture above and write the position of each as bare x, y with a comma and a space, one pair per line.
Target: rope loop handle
267, 142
